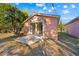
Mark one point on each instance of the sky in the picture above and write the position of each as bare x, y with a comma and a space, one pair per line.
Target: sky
66, 11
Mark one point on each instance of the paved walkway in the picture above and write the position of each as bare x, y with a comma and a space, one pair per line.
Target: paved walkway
66, 46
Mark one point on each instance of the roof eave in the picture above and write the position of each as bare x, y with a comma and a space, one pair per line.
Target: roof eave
41, 15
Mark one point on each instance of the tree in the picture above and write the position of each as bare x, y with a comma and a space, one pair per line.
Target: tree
61, 26
11, 18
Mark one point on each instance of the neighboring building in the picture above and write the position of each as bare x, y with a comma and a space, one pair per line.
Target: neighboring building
42, 25
73, 27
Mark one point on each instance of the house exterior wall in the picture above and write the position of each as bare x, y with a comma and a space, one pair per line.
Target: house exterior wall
73, 28
50, 25
50, 28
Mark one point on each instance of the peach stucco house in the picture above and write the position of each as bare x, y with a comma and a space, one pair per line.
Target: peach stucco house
72, 27
42, 25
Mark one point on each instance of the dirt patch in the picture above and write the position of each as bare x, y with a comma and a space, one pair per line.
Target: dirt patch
5, 35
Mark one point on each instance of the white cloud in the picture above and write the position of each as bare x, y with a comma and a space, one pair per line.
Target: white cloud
65, 6
40, 4
45, 8
53, 8
65, 11
49, 10
73, 6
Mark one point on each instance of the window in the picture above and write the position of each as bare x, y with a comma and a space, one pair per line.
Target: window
36, 28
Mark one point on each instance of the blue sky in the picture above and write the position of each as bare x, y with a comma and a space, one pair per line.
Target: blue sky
67, 11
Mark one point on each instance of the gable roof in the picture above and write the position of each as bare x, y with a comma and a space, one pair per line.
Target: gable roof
75, 19
40, 15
